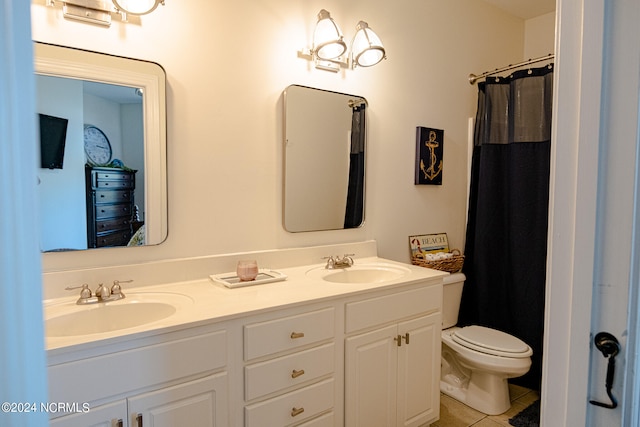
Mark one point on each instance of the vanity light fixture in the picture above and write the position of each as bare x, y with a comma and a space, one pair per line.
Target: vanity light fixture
329, 49
99, 11
328, 41
366, 47
137, 7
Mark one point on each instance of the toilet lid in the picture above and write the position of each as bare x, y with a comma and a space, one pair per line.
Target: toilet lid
491, 341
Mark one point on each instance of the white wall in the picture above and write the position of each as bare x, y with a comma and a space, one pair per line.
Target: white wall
227, 64
105, 115
539, 36
63, 228
132, 120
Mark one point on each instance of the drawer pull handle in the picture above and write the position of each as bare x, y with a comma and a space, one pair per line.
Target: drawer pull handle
120, 423
296, 411
398, 340
406, 337
139, 420
295, 335
296, 374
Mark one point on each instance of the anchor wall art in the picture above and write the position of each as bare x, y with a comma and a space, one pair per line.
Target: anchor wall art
429, 156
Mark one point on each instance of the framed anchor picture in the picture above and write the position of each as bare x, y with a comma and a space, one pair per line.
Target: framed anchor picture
429, 152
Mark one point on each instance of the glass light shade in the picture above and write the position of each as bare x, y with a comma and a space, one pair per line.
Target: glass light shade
328, 42
137, 7
366, 48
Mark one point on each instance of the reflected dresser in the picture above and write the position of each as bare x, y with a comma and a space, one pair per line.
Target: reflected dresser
110, 199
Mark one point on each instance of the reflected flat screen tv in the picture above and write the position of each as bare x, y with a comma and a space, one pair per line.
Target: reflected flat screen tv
53, 135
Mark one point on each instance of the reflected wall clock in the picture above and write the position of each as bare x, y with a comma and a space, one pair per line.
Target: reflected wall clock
97, 147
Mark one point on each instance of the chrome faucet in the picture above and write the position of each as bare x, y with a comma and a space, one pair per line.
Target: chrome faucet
337, 262
102, 294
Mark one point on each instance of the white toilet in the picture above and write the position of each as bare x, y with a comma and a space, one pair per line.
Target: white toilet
477, 361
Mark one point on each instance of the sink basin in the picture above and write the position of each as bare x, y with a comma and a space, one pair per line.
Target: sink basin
365, 273
137, 309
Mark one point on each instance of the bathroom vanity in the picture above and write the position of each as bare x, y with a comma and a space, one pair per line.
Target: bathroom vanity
356, 347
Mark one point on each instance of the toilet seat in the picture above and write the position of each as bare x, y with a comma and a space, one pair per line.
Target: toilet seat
491, 341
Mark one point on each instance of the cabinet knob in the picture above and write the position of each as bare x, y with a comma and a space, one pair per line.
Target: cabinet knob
139, 420
296, 411
295, 335
296, 374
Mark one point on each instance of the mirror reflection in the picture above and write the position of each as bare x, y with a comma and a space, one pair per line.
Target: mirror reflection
102, 181
324, 159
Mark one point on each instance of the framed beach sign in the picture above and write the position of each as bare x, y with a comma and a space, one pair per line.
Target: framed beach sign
428, 244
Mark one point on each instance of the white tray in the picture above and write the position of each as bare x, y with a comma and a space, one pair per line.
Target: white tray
231, 280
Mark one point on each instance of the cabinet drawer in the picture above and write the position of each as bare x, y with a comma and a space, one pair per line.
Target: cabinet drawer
291, 407
123, 223
114, 179
277, 374
115, 373
112, 211
110, 196
326, 420
119, 238
261, 339
389, 308
115, 175
115, 184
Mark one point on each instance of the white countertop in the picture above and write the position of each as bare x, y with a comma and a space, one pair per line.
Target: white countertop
213, 302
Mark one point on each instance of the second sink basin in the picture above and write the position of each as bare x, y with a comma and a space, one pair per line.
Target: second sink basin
364, 273
136, 309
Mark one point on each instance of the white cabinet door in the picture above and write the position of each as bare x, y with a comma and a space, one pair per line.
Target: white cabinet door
419, 371
392, 375
370, 378
199, 403
109, 415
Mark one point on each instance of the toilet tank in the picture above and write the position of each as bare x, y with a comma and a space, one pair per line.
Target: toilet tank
451, 297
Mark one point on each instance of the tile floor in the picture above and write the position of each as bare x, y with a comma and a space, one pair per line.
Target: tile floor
456, 414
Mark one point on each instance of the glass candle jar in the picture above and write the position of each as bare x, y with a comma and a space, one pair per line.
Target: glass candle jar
247, 270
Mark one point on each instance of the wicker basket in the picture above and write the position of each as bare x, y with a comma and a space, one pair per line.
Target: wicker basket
451, 265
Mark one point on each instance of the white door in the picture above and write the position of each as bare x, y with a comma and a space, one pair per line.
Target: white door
592, 248
615, 208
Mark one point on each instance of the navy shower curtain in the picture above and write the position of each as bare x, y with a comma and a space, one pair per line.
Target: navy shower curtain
506, 240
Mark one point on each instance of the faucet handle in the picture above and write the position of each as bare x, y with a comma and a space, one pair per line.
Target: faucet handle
330, 262
85, 292
116, 289
86, 297
346, 258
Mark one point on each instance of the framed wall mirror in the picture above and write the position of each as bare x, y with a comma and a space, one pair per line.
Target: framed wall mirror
324, 159
102, 177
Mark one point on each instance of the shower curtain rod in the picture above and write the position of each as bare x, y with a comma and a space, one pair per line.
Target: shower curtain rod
473, 78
